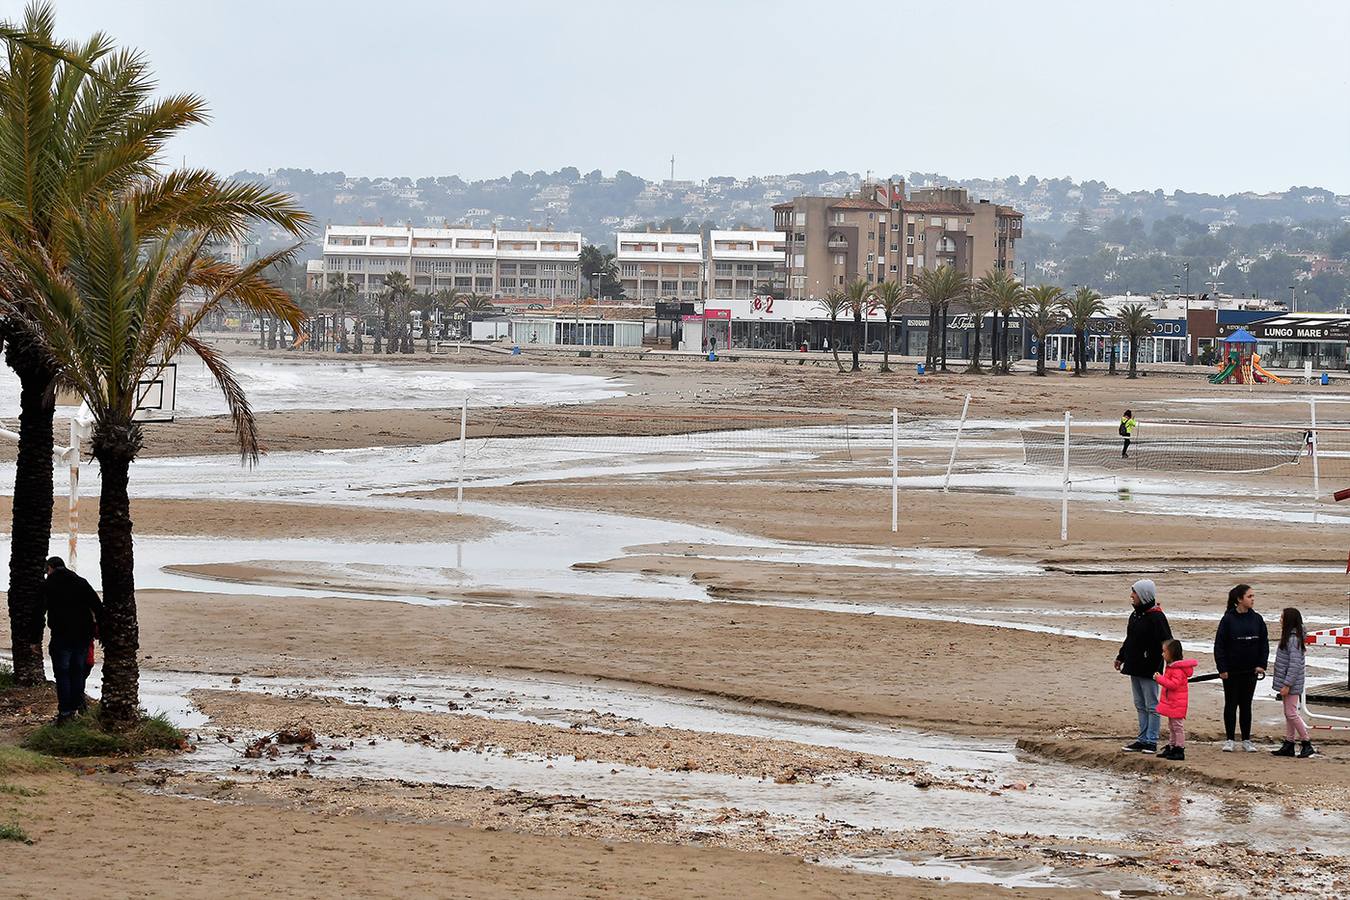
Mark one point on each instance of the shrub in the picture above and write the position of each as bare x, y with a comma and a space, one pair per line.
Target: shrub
14, 833
6, 677
84, 735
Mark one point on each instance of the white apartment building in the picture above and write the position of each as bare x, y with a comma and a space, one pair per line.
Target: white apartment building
505, 265
660, 266
740, 261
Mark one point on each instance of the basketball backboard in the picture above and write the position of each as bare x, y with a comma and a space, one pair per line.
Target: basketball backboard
156, 395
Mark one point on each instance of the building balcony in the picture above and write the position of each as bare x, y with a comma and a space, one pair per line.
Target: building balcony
837, 244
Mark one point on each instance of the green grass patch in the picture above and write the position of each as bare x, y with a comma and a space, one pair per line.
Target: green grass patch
85, 736
6, 676
15, 791
14, 833
17, 761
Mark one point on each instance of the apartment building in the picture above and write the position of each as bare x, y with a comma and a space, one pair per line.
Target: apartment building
506, 265
740, 262
883, 235
660, 266
831, 241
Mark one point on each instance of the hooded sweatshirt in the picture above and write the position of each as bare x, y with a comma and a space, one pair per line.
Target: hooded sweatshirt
1242, 644
73, 608
1141, 653
1174, 685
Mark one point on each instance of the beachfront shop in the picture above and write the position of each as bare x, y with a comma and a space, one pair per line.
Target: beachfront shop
765, 323
1167, 343
525, 332
1293, 340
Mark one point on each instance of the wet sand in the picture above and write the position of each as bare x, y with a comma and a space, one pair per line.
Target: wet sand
878, 641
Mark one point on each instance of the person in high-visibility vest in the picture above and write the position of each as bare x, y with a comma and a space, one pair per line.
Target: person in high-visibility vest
1128, 424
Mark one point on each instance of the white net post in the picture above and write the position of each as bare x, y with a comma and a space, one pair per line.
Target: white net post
956, 444
895, 469
463, 433
1064, 490
1312, 449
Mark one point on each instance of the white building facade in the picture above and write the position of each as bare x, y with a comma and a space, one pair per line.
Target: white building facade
520, 266
660, 266
739, 262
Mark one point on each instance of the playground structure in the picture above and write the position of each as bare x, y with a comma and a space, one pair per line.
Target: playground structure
1241, 363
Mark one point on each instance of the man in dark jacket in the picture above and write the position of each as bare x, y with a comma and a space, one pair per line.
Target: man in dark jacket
73, 611
1140, 657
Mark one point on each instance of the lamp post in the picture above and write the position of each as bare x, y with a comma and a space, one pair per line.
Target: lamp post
1293, 301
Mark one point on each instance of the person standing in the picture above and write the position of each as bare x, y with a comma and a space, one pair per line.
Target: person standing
1128, 424
1287, 680
1241, 653
1174, 698
73, 612
1141, 657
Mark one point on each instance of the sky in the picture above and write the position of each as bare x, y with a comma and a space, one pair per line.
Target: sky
1201, 95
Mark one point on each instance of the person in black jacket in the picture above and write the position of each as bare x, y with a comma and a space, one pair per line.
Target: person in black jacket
1141, 658
1241, 653
73, 610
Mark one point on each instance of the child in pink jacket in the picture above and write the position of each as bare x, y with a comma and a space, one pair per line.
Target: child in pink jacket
1173, 698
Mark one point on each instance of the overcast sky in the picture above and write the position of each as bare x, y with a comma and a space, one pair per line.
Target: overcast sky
1203, 95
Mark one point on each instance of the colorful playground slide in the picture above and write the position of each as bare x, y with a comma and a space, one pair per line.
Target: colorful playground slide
1261, 374
1224, 374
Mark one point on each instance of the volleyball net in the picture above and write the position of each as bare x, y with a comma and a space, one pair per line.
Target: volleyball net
582, 430
1173, 447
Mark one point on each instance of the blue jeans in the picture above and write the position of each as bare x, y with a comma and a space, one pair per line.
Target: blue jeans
1145, 691
71, 667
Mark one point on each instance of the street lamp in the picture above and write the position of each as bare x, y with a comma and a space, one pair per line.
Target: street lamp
1293, 301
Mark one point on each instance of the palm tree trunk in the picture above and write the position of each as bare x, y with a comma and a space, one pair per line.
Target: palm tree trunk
857, 340
975, 368
943, 345
31, 518
115, 447
930, 356
1134, 356
1040, 356
834, 347
993, 346
1112, 338
886, 348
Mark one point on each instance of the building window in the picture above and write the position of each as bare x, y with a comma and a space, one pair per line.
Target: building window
840, 259
483, 267
909, 240
839, 218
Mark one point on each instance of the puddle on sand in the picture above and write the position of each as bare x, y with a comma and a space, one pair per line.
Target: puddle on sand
1060, 801
1005, 872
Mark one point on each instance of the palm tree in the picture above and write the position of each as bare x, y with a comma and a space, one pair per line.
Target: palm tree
980, 303
593, 259
1005, 296
445, 298
476, 304
1042, 312
834, 305
1136, 323
396, 290
72, 135
938, 287
1080, 310
342, 290
859, 294
890, 299
111, 317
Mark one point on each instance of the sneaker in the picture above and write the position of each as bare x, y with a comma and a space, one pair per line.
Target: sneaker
1178, 754
1286, 749
1249, 746
1227, 747
1139, 747
1306, 750
1167, 748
